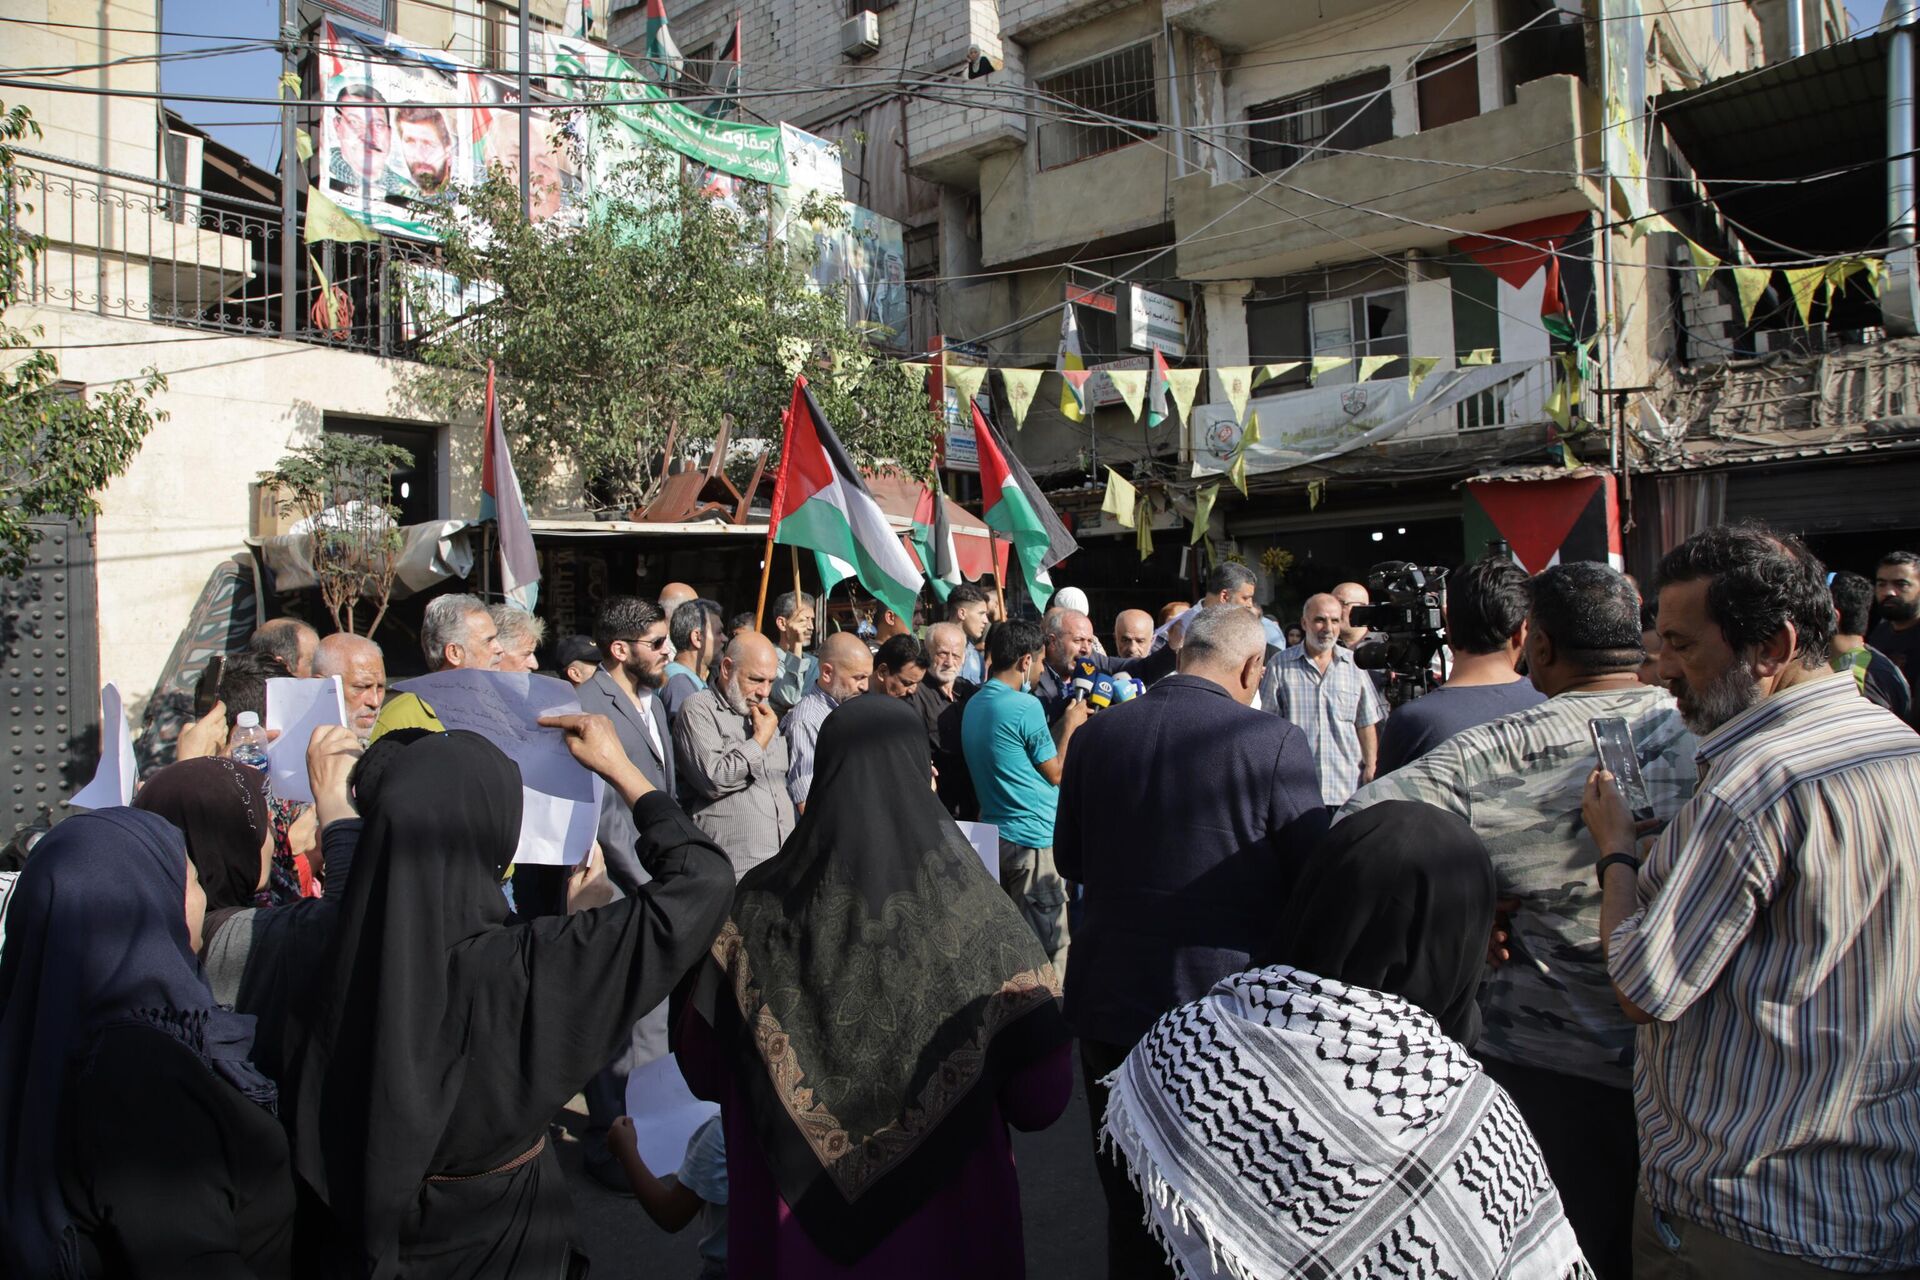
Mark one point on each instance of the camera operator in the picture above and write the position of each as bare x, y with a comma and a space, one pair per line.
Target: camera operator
1486, 617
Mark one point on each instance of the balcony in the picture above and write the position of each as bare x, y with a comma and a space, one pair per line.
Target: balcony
1269, 225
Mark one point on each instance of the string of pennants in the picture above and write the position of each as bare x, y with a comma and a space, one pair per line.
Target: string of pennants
1804, 284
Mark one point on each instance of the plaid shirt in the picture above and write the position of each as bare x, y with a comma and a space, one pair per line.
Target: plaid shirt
1777, 943
1331, 708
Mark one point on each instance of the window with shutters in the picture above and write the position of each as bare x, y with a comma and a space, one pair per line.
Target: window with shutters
1120, 85
1342, 116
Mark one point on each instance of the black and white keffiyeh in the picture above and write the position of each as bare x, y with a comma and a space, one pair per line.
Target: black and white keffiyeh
1291, 1125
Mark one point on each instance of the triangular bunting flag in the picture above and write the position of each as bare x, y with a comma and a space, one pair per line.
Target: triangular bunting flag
1704, 264
1073, 396
1184, 384
1121, 499
1236, 383
1750, 283
966, 379
1370, 365
1132, 386
1479, 355
1157, 411
1418, 367
1203, 500
1327, 364
1021, 386
1143, 527
1804, 283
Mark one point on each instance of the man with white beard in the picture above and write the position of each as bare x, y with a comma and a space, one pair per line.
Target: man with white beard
731, 758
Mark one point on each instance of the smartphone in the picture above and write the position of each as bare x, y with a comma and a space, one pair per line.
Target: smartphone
1614, 741
207, 691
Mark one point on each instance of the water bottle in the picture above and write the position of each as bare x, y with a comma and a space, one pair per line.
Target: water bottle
248, 744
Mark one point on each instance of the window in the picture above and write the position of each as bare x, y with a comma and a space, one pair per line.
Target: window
1371, 324
1120, 84
1449, 88
1342, 116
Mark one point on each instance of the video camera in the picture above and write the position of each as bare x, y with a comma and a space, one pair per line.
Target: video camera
1406, 628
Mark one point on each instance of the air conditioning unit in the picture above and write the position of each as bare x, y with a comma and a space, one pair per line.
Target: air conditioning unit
860, 34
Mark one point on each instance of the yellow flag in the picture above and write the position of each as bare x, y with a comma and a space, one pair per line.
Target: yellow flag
1143, 527
1370, 365
328, 221
1022, 385
1418, 367
1132, 386
1203, 512
1236, 383
1327, 364
1121, 500
1480, 355
966, 379
1805, 284
1184, 384
1750, 283
1704, 264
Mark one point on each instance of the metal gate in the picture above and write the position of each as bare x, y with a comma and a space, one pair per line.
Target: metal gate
49, 674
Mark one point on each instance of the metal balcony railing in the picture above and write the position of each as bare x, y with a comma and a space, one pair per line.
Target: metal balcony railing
115, 244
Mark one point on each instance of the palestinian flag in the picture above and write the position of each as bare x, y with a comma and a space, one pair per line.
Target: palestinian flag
821, 503
725, 77
1072, 368
1011, 505
933, 540
1157, 409
663, 60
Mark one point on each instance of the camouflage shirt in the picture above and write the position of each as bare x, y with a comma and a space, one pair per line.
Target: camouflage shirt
1518, 782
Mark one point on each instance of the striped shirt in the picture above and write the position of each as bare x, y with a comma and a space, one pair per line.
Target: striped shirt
1330, 707
1777, 942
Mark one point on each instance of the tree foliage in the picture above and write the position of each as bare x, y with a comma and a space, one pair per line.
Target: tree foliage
58, 448
341, 487
668, 311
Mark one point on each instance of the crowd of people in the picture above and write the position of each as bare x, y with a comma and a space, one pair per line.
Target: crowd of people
1356, 989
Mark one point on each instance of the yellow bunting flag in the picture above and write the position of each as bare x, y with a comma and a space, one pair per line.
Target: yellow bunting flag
1370, 365
1480, 355
1203, 512
328, 221
1805, 284
966, 379
1022, 385
1418, 367
1143, 527
1184, 384
1327, 364
1132, 386
1236, 383
1121, 500
1750, 283
1704, 264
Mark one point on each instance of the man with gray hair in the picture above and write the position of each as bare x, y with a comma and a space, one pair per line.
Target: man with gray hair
1317, 685
362, 669
519, 633
1181, 882
457, 631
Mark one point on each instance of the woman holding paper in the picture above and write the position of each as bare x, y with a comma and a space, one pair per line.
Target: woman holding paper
440, 1038
873, 1016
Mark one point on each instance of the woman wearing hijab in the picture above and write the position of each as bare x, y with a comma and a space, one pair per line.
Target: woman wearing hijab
441, 1037
1321, 1115
876, 1012
136, 1136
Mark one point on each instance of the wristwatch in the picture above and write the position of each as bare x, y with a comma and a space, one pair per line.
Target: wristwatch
1626, 859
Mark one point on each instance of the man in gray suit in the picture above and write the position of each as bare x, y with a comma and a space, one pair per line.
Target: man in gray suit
632, 635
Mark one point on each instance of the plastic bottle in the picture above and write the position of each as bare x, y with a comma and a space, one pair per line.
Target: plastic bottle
248, 744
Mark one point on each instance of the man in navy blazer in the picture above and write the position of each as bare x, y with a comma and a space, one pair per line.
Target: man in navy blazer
1070, 638
1185, 815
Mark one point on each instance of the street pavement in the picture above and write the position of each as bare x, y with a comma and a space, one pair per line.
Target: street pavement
1061, 1205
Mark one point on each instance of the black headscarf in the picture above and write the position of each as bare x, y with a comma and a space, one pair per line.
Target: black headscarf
96, 937
378, 1060
890, 985
1399, 898
221, 806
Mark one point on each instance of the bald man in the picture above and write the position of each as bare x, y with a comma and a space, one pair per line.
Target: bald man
846, 669
362, 669
731, 758
1317, 685
1133, 634
675, 594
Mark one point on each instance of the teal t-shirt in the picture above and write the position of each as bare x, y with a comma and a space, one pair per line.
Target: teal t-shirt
1004, 736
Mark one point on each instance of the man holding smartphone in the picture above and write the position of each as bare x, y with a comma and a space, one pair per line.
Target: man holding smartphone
1554, 1037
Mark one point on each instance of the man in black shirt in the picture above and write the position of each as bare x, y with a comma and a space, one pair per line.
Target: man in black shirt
1896, 592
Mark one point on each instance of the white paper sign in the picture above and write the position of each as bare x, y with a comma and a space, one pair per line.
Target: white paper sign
665, 1114
985, 839
114, 778
297, 708
504, 708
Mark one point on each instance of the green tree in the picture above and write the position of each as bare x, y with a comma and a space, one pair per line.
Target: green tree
58, 449
667, 311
